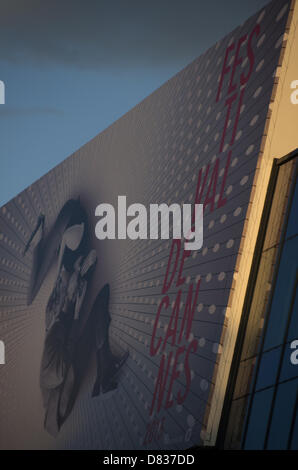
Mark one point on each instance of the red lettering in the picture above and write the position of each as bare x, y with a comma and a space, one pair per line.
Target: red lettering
250, 54
161, 383
175, 375
237, 117
228, 103
181, 280
189, 311
225, 70
176, 243
172, 328
212, 186
199, 191
237, 61
153, 350
222, 201
192, 347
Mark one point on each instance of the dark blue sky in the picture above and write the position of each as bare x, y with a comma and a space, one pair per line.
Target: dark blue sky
73, 67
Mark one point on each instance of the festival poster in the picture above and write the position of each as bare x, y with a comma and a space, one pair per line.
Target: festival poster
115, 343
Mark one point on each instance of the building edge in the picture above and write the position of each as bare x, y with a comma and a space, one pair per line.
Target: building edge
279, 138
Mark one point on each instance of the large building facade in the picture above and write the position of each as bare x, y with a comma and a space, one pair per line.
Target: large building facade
260, 410
209, 333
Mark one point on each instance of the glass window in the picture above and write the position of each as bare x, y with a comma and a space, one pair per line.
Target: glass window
283, 414
268, 368
294, 440
292, 228
293, 329
255, 437
268, 325
289, 370
283, 292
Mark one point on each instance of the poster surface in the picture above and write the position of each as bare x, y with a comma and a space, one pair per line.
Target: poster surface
114, 344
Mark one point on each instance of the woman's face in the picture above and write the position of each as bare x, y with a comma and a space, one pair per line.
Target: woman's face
73, 236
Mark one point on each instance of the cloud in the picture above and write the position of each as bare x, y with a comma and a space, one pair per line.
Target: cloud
96, 33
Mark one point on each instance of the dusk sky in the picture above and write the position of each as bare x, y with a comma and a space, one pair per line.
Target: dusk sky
73, 67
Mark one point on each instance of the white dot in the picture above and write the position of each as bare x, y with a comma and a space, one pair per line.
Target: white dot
244, 180
261, 16
229, 189
279, 42
254, 120
205, 251
200, 307
221, 276
212, 309
208, 277
250, 149
191, 421
238, 135
202, 342
191, 337
211, 224
230, 243
261, 40
216, 247
204, 385
281, 13
223, 218
257, 92
237, 211
260, 65
244, 62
